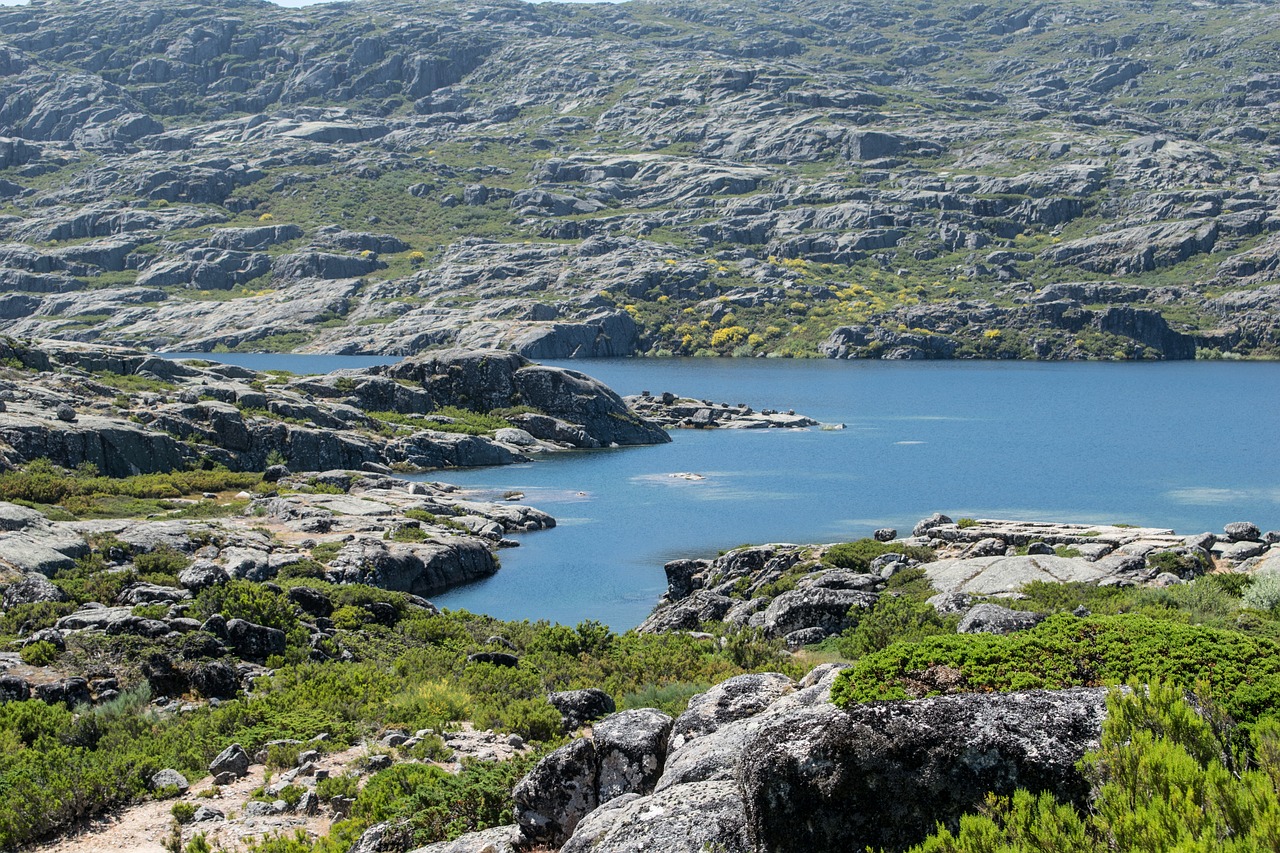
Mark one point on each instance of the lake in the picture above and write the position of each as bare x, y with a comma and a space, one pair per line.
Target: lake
1187, 445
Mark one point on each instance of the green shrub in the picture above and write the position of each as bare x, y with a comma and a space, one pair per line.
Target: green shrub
894, 618
164, 560
39, 653
1242, 672
183, 812
249, 601
671, 698
532, 719
308, 569
857, 556
750, 649
151, 611
1264, 593
346, 785
1166, 779
963, 523
325, 551
1182, 565
429, 705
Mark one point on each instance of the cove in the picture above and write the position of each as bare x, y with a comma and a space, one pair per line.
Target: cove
1187, 445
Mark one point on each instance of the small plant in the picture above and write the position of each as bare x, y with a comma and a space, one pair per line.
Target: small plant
183, 812
39, 653
346, 785
1263, 594
963, 523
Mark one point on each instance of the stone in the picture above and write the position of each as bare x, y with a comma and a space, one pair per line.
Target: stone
815, 779
631, 747
72, 692
495, 658
950, 603
579, 707
215, 680
557, 793
205, 814
14, 689
170, 778
382, 838
254, 642
275, 473
1242, 531
1039, 549
311, 601
885, 534
233, 760
1238, 552
33, 588
202, 574
691, 818
923, 526
827, 609
994, 619
499, 839
731, 700
65, 413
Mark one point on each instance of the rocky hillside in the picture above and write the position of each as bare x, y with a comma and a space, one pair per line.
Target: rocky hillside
852, 179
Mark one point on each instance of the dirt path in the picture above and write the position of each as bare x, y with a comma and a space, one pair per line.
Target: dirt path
145, 827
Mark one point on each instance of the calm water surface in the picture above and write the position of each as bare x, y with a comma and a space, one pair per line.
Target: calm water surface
1187, 445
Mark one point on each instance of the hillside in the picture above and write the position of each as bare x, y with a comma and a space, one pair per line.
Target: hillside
905, 180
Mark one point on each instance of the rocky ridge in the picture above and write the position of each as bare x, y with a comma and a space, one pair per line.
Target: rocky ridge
761, 762
859, 181
126, 412
802, 594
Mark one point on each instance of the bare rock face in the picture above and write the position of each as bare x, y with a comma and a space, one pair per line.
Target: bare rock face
624, 756
689, 819
579, 707
885, 774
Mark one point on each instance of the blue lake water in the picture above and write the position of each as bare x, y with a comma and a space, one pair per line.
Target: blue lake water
1187, 445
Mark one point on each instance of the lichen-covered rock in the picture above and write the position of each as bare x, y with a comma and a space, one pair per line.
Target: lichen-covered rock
994, 619
233, 760
692, 818
729, 701
631, 748
499, 839
579, 707
885, 774
557, 793
827, 609
254, 642
33, 588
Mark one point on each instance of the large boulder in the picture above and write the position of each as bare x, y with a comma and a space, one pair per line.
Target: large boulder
579, 707
233, 760
420, 568
826, 609
886, 774
729, 701
631, 748
557, 793
254, 642
994, 619
33, 588
499, 839
692, 818
486, 380
624, 756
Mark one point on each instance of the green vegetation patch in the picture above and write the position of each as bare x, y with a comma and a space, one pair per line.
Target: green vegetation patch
1242, 672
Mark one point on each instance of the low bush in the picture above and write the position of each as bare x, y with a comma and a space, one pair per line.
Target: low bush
1166, 778
1241, 672
857, 556
39, 653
